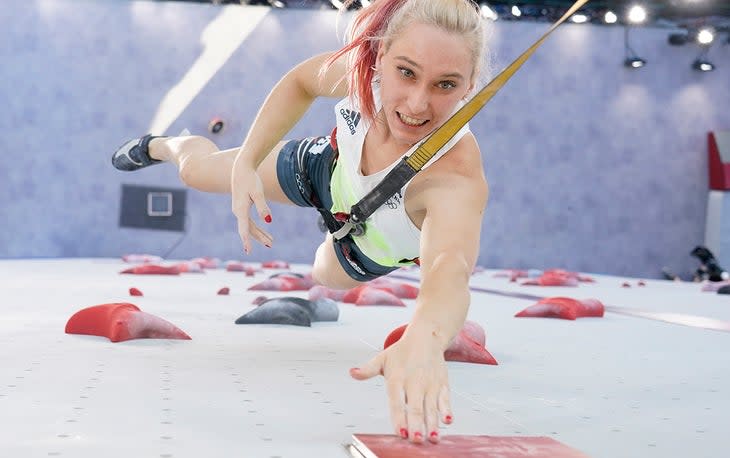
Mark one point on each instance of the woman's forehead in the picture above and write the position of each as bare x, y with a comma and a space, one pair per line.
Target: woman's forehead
432, 47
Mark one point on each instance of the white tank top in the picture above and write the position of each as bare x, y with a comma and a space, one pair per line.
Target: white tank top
390, 238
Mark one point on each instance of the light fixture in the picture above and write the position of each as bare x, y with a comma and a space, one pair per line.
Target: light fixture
610, 17
340, 4
703, 65
634, 62
631, 60
516, 12
579, 18
705, 36
488, 12
637, 14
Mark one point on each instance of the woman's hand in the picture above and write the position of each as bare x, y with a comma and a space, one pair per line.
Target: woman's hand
247, 189
417, 383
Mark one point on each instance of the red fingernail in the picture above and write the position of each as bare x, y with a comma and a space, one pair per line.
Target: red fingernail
267, 218
434, 434
404, 433
448, 418
417, 436
267, 245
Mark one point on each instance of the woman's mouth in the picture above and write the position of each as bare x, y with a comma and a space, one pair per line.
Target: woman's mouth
413, 122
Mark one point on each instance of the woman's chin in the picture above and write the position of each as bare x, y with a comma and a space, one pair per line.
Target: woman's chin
408, 135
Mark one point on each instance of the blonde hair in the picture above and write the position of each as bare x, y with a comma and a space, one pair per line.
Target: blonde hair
383, 20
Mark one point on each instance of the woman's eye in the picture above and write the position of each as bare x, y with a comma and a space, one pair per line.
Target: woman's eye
447, 85
405, 72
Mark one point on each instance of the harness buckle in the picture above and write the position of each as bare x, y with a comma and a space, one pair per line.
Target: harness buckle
349, 227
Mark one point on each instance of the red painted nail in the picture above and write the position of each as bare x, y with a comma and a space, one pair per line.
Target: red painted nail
404, 433
434, 434
448, 418
267, 218
417, 436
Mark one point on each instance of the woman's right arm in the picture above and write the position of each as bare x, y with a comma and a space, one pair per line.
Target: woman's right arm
283, 108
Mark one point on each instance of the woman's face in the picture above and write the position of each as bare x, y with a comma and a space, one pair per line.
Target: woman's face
424, 73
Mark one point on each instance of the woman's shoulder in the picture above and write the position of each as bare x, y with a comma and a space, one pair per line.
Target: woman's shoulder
463, 159
460, 169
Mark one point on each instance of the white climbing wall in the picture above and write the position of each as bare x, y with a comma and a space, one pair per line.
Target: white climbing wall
618, 386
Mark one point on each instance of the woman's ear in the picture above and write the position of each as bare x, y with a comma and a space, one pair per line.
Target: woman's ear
470, 91
378, 61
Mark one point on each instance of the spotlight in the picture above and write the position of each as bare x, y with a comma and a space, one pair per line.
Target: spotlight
579, 18
702, 65
487, 12
637, 14
516, 11
634, 62
610, 17
353, 5
705, 36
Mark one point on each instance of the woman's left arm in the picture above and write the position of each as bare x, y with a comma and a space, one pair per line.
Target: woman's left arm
414, 367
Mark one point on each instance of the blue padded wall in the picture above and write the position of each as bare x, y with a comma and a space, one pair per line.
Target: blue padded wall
591, 166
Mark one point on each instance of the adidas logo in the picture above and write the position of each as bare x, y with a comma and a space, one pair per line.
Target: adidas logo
352, 118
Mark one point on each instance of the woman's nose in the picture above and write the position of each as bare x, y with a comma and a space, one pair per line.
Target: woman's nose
417, 100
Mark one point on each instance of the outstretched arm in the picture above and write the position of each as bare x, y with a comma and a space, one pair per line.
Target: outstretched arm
449, 249
283, 108
287, 102
414, 367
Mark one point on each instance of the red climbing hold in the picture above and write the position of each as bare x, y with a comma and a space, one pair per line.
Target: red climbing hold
122, 321
465, 347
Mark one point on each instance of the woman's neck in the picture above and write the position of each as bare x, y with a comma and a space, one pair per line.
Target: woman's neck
380, 148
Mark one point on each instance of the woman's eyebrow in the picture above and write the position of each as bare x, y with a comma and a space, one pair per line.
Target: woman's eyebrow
456, 75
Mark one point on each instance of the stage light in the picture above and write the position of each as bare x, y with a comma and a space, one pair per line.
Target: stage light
634, 62
610, 17
516, 12
579, 18
631, 59
705, 36
353, 5
702, 65
488, 12
637, 14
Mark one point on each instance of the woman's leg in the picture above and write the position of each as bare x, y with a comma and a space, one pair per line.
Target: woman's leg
327, 269
204, 167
